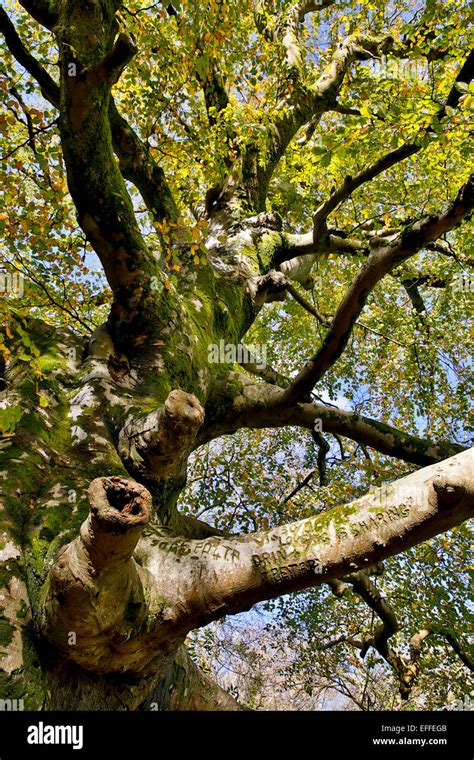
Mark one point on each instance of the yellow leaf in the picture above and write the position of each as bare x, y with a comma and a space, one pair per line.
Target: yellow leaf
196, 260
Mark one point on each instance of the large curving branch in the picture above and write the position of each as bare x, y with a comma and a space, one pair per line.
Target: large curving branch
104, 207
257, 406
135, 159
243, 571
129, 615
49, 88
382, 259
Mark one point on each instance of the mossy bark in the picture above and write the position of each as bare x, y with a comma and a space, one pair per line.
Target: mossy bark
46, 467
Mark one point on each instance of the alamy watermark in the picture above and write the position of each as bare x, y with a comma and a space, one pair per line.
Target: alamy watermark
46, 734
12, 284
12, 705
236, 353
465, 703
463, 282
400, 68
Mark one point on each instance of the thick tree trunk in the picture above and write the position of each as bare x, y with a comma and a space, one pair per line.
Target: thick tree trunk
46, 469
90, 622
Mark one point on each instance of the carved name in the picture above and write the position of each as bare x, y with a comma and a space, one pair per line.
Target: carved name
296, 540
197, 549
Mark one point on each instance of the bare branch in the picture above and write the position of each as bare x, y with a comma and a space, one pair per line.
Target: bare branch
299, 487
49, 88
352, 183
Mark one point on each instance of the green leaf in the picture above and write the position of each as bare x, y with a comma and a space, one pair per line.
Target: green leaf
326, 159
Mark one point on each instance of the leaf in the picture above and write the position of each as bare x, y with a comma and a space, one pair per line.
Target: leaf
326, 159
9, 419
202, 65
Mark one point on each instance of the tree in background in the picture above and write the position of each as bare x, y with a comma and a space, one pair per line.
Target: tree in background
288, 174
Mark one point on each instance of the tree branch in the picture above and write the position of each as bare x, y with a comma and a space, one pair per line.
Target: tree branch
43, 11
113, 63
366, 590
104, 207
334, 544
49, 88
139, 167
157, 446
301, 251
436, 630
135, 159
130, 616
260, 406
212, 84
350, 184
187, 687
380, 261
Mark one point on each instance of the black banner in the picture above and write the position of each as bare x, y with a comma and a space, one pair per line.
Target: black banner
378, 734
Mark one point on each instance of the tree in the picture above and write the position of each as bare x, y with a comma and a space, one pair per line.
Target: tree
223, 161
